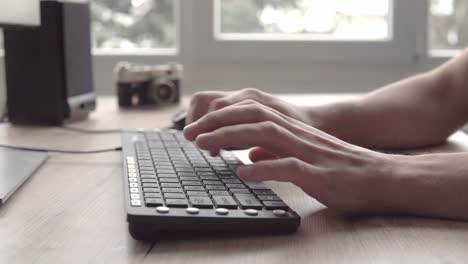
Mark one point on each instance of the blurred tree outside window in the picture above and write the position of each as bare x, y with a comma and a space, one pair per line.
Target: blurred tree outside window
316, 19
133, 25
448, 24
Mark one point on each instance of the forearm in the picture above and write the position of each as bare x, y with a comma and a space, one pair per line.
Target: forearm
414, 112
427, 185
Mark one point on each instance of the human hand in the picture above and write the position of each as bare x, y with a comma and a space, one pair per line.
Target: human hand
338, 174
209, 101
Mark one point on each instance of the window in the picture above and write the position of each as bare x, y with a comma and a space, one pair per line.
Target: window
300, 19
319, 31
448, 26
134, 26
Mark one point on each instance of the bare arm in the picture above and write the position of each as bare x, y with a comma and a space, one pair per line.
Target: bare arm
421, 110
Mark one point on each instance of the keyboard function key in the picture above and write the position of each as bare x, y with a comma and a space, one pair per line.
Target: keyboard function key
201, 202
153, 202
248, 201
176, 203
135, 203
271, 205
225, 201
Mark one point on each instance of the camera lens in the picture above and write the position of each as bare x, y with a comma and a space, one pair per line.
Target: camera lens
164, 92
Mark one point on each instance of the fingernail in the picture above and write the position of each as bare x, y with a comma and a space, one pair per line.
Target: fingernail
188, 132
245, 171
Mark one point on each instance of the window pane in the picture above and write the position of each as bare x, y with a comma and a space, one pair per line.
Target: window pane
311, 19
448, 24
133, 25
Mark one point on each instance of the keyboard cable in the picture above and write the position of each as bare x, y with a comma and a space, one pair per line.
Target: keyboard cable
51, 150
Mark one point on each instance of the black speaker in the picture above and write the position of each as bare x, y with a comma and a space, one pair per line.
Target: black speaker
49, 68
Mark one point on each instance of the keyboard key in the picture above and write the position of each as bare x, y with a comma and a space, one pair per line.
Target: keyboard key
271, 205
194, 188
176, 203
210, 182
165, 171
165, 175
153, 195
248, 201
170, 185
154, 190
231, 181
168, 180
207, 174
242, 191
148, 172
215, 178
150, 185
235, 186
263, 192
153, 202
219, 193
225, 202
146, 176
194, 178
187, 174
257, 185
174, 195
201, 202
149, 180
196, 193
172, 190
268, 198
216, 187
192, 183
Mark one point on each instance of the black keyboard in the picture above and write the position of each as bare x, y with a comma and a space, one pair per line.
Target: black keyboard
172, 187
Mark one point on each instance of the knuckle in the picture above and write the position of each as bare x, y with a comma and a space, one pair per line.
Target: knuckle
251, 91
218, 103
293, 163
271, 128
257, 111
199, 97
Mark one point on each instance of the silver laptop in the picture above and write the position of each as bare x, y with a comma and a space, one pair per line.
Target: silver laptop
15, 168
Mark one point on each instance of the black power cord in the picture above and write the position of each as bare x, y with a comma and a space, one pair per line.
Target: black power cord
48, 150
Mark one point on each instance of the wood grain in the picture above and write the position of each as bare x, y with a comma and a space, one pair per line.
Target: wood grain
71, 211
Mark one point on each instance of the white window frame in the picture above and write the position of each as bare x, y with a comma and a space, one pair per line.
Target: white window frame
212, 63
401, 48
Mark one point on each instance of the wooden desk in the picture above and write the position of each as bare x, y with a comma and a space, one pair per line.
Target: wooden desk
71, 211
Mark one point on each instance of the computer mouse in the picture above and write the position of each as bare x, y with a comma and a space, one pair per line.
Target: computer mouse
178, 120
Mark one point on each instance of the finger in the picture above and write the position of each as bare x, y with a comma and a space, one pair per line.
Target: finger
236, 97
233, 115
258, 154
199, 104
250, 112
268, 135
306, 176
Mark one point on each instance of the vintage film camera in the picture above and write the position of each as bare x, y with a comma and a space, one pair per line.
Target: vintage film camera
139, 85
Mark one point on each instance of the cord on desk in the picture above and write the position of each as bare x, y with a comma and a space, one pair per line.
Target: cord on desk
48, 150
91, 131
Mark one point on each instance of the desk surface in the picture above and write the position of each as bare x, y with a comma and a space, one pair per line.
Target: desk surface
71, 211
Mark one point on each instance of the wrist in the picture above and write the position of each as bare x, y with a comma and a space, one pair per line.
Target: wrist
335, 118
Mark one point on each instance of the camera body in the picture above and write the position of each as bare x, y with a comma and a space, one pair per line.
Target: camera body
139, 85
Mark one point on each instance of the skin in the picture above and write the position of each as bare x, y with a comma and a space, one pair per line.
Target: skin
325, 149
